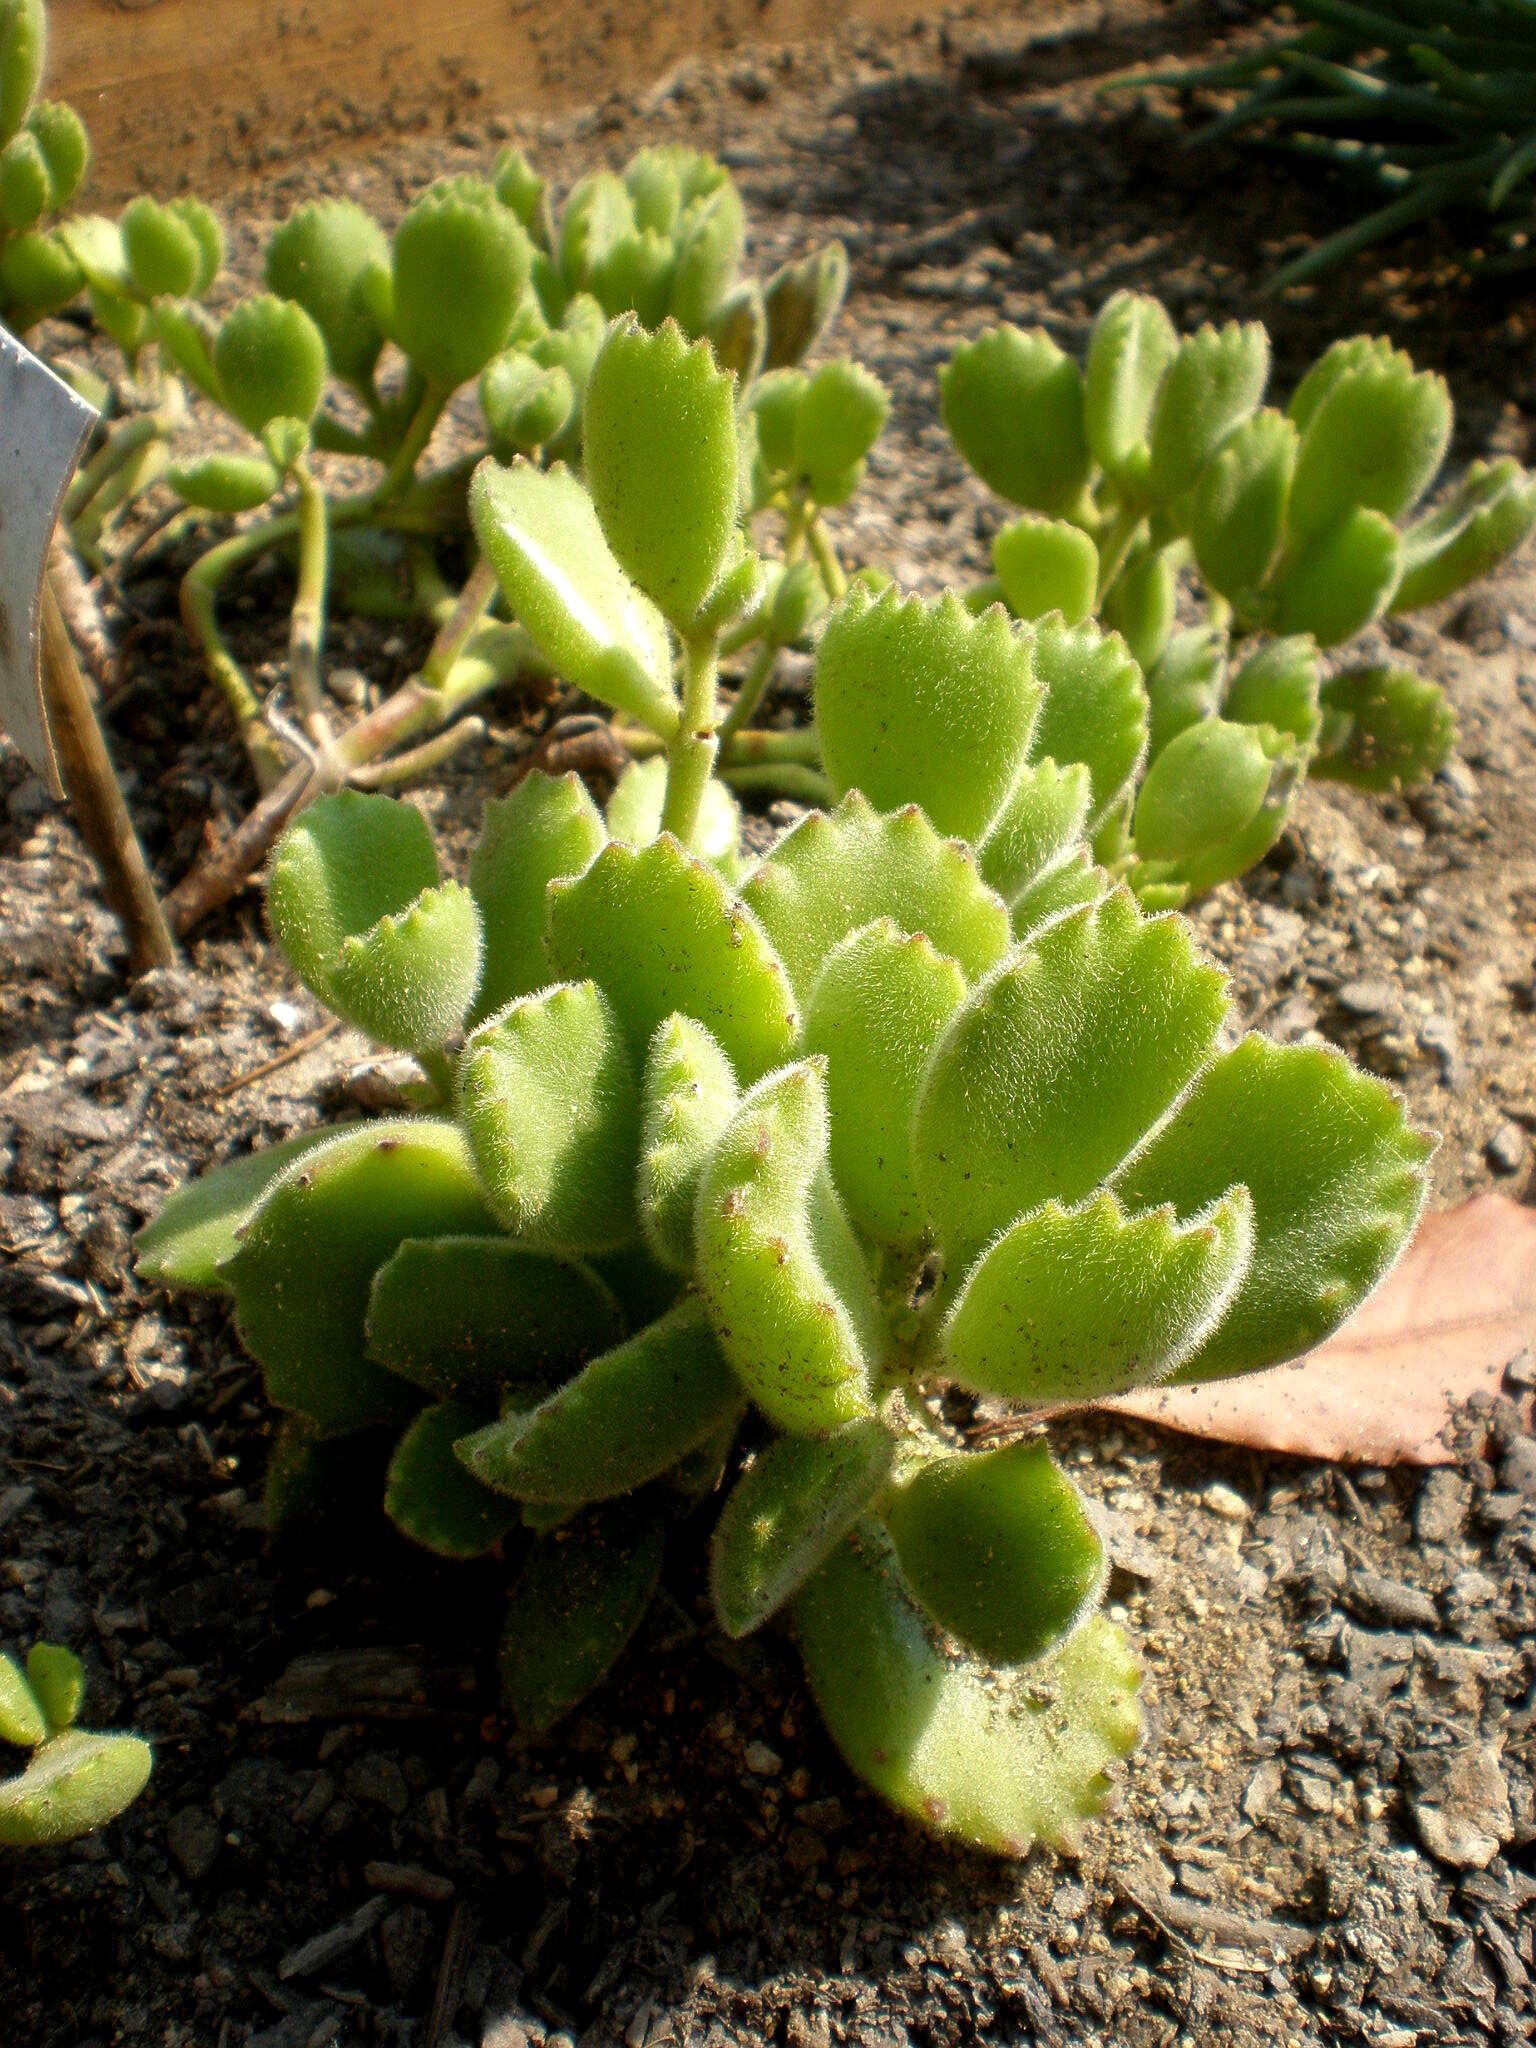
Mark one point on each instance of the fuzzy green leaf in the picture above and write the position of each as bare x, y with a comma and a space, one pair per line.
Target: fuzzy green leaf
1132, 343
1075, 1304
228, 482
1041, 824
1140, 605
1337, 1178
1484, 520
303, 1270
1278, 686
688, 1096
786, 1285
269, 357
798, 1497
1014, 404
1046, 565
1351, 352
835, 871
998, 1548
320, 257
1207, 785
801, 301
66, 147
546, 827
458, 268
709, 238
431, 1498
839, 419
547, 1097
660, 417
1075, 884
1342, 579
22, 1720
163, 256
1186, 684
880, 1002
1376, 438
485, 1320
75, 1782
23, 47
1057, 1064
525, 405
1095, 708
1216, 379
659, 932
190, 1238
1239, 508
625, 1418
1382, 728
354, 899
922, 703
998, 1759
563, 583
579, 1598
57, 1677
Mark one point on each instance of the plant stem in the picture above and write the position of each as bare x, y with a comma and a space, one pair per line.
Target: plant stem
691, 753
832, 574
96, 797
1114, 545
127, 482
402, 465
402, 768
800, 784
473, 602
798, 744
754, 685
307, 622
122, 442
413, 712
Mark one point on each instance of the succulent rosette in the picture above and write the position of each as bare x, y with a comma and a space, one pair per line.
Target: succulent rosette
734, 1163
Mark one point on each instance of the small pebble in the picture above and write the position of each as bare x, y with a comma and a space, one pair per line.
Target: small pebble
1226, 1501
762, 1761
1462, 1812
193, 1838
1505, 1150
1366, 998
1518, 1472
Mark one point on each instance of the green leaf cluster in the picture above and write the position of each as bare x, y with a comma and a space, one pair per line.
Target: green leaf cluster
73, 1780
1299, 528
734, 1163
44, 154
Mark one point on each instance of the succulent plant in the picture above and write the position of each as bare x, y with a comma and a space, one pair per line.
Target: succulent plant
44, 152
1303, 527
73, 1781
726, 1168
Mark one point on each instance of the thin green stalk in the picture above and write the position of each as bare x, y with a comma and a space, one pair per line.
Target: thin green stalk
754, 685
799, 744
200, 616
402, 464
122, 442
1114, 545
691, 753
143, 469
418, 761
474, 601
832, 573
789, 779
307, 623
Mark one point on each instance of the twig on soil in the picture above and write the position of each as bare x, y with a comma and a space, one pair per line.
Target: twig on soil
285, 1058
450, 1977
1188, 1921
322, 1949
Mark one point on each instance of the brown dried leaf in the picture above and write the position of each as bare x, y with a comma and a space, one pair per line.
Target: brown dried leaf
1381, 1391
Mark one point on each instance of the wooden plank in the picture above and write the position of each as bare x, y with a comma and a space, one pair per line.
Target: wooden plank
201, 94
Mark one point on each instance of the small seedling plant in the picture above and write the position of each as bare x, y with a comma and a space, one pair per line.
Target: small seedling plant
1301, 528
727, 1171
347, 353
74, 1780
